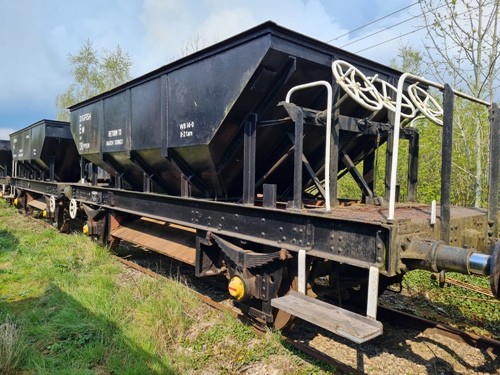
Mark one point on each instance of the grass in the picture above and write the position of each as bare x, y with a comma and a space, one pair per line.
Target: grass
452, 305
11, 345
68, 307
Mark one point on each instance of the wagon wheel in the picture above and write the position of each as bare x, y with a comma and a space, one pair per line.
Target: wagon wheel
73, 208
283, 321
387, 102
356, 85
52, 204
61, 219
28, 210
429, 107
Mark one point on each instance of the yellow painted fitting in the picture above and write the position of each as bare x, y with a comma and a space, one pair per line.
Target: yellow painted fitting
236, 288
1, 195
16, 201
86, 229
44, 213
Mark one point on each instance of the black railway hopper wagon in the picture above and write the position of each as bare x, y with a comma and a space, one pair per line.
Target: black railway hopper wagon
5, 166
45, 162
229, 160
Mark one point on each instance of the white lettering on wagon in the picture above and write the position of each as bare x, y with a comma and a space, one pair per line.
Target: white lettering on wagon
84, 146
114, 142
86, 117
114, 133
81, 130
186, 129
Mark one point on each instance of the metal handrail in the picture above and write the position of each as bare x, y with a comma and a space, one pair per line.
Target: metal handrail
397, 123
328, 207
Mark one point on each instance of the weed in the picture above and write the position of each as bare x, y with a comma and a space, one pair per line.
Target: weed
83, 313
451, 304
11, 345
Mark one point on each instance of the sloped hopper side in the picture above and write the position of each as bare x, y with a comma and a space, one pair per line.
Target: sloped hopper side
188, 117
5, 158
35, 147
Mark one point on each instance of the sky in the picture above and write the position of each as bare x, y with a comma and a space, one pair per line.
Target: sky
36, 37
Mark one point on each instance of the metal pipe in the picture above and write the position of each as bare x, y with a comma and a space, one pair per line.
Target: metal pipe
328, 207
436, 256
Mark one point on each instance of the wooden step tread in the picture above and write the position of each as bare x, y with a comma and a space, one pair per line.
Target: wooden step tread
38, 204
345, 323
171, 240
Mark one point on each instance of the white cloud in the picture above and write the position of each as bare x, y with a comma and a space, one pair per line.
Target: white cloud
169, 24
5, 132
36, 37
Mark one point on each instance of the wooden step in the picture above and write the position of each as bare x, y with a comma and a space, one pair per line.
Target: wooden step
345, 323
39, 204
172, 240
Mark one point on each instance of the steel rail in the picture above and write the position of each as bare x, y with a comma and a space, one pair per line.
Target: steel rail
421, 324
387, 314
258, 329
384, 313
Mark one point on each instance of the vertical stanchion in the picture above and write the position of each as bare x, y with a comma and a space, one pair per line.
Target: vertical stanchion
446, 163
302, 271
494, 174
371, 306
249, 149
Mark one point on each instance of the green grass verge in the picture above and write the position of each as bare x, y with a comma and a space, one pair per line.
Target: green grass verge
452, 305
67, 307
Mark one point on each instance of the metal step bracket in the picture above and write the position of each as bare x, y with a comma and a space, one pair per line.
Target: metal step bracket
345, 323
302, 271
371, 306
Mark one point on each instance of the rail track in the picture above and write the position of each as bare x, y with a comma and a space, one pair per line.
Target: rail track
385, 314
259, 329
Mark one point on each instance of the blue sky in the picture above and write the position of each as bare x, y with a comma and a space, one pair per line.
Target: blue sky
36, 37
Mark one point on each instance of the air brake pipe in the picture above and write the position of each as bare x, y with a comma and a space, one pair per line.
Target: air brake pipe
397, 124
436, 256
328, 131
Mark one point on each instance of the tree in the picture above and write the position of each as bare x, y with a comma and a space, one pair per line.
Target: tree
410, 60
192, 44
94, 73
463, 48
